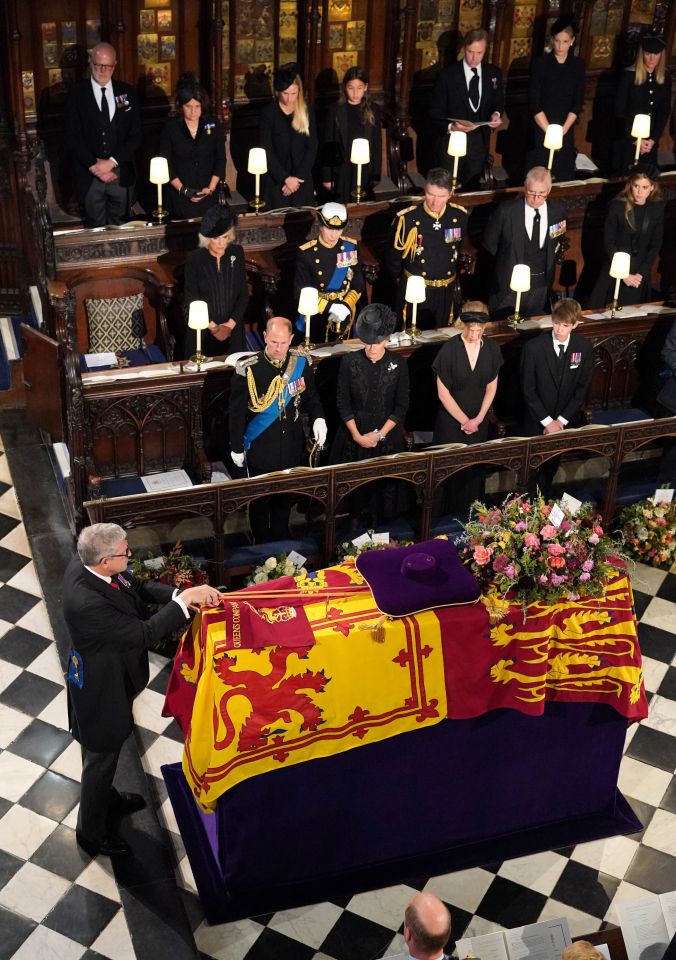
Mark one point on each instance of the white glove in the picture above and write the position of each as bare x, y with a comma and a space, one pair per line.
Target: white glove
319, 431
237, 459
339, 312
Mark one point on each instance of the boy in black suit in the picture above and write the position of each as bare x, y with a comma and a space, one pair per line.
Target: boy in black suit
110, 629
468, 92
103, 132
529, 231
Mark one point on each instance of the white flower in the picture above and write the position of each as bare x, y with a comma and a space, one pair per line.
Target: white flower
270, 564
260, 578
289, 568
302, 572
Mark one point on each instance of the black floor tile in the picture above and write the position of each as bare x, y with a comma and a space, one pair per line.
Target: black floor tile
29, 693
21, 646
460, 920
15, 603
656, 643
52, 796
10, 563
7, 524
81, 915
645, 812
9, 865
585, 889
149, 860
272, 945
668, 686
652, 870
174, 732
159, 682
653, 747
5, 805
157, 920
60, 854
352, 938
4, 487
41, 742
641, 601
510, 904
144, 738
667, 590
92, 955
15, 930
668, 801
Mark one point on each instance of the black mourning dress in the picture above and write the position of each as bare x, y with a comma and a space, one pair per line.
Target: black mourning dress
225, 290
648, 97
370, 393
466, 386
641, 237
194, 160
289, 154
556, 89
343, 126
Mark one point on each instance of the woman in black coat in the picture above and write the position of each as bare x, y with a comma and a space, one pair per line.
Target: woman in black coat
556, 95
289, 138
354, 117
194, 145
634, 224
216, 273
644, 88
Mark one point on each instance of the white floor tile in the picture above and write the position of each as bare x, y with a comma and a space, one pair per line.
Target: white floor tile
22, 831
643, 782
71, 819
46, 944
37, 620
148, 711
478, 927
539, 872
33, 892
12, 722
17, 540
9, 505
47, 665
653, 673
69, 763
383, 906
167, 817
612, 856
660, 613
662, 714
625, 893
17, 775
56, 712
311, 925
579, 923
5, 475
227, 941
98, 876
27, 580
162, 751
646, 579
465, 889
8, 672
661, 832
156, 663
114, 942
184, 875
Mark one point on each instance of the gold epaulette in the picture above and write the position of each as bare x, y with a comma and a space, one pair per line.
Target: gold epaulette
350, 239
400, 213
456, 206
242, 365
309, 245
293, 352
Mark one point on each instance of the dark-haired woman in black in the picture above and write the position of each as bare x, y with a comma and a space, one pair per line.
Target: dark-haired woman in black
289, 138
355, 117
556, 95
194, 145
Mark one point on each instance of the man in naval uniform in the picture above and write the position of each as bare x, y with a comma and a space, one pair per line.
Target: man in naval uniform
425, 243
103, 132
270, 394
331, 265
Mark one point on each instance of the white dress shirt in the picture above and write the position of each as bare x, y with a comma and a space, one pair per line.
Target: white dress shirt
530, 214
468, 76
557, 344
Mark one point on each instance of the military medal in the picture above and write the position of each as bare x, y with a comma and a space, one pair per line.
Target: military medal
436, 225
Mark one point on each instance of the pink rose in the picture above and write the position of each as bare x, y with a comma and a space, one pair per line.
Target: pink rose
521, 526
555, 549
548, 532
531, 541
556, 562
482, 555
525, 506
598, 530
557, 580
593, 539
585, 576
509, 570
588, 565
543, 579
566, 525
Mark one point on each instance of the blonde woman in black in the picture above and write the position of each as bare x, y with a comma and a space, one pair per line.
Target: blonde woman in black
289, 138
644, 87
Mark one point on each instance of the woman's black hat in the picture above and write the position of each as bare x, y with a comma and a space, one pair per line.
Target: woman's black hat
475, 316
217, 221
652, 43
563, 23
375, 323
284, 76
645, 169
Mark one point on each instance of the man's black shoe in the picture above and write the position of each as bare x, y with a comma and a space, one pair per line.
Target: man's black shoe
108, 846
125, 803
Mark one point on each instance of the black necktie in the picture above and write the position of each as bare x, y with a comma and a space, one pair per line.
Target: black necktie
473, 89
562, 352
536, 228
105, 112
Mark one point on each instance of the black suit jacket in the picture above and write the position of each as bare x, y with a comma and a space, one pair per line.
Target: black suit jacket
84, 127
336, 149
111, 630
505, 238
450, 101
549, 390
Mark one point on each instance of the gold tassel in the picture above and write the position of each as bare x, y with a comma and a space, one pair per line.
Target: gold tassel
377, 629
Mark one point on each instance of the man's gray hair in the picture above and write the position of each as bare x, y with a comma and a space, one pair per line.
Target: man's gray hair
99, 541
539, 175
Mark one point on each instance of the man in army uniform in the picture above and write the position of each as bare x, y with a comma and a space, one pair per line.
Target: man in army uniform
331, 264
269, 393
425, 243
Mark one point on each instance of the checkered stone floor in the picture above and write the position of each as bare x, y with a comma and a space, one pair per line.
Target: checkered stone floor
55, 901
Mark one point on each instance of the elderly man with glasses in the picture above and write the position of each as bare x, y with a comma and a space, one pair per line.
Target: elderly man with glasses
104, 607
528, 230
103, 132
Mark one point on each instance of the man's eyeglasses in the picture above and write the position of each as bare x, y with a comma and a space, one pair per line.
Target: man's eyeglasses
536, 196
103, 66
113, 556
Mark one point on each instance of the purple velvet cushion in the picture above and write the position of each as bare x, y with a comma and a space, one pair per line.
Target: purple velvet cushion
406, 580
